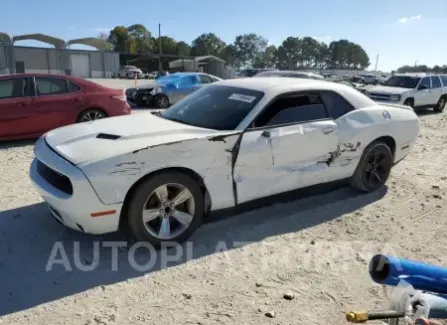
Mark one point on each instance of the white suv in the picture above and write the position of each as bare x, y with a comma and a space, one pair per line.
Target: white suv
416, 90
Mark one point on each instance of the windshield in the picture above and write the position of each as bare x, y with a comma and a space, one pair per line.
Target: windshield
402, 81
214, 107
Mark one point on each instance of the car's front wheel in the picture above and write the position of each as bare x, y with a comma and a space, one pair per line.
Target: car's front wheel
168, 207
374, 167
161, 101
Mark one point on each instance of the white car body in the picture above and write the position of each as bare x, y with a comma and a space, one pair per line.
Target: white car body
421, 98
236, 166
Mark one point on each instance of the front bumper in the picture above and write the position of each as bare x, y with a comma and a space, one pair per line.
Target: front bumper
72, 208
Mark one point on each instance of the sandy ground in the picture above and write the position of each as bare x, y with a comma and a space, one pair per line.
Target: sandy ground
238, 268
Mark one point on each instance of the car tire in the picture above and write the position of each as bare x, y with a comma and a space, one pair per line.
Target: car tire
441, 104
145, 198
409, 102
91, 114
373, 169
161, 101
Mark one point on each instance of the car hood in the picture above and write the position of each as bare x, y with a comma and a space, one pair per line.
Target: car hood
148, 85
388, 90
89, 142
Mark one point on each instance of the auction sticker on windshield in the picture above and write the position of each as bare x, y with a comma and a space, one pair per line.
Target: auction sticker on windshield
242, 98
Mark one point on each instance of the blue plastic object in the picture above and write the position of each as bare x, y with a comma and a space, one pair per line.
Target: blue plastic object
390, 271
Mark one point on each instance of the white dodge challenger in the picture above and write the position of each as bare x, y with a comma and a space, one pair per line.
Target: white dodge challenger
228, 143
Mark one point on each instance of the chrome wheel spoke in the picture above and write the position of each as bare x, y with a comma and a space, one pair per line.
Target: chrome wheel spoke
149, 215
165, 229
162, 193
182, 197
183, 217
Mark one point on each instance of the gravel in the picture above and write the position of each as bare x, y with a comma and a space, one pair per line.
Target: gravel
240, 269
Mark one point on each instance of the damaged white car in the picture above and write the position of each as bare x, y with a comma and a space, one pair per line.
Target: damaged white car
226, 144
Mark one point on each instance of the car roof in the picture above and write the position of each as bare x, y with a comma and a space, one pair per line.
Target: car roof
274, 86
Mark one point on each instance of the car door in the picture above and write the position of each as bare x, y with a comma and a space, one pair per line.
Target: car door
185, 86
289, 143
16, 116
436, 90
423, 93
57, 102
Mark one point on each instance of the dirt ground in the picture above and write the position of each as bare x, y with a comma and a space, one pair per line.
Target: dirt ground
316, 249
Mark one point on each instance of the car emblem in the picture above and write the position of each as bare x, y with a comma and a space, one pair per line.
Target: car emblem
386, 115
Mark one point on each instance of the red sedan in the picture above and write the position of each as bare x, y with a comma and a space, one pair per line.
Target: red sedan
32, 104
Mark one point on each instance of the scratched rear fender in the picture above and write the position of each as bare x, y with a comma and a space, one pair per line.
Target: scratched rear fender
210, 157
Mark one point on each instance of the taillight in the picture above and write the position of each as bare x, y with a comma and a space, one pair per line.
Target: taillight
120, 97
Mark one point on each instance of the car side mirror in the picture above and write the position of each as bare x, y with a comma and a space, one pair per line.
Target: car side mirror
422, 87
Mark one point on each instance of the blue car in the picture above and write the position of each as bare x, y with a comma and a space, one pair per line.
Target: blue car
169, 89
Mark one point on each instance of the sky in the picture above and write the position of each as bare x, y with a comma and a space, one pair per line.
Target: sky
398, 31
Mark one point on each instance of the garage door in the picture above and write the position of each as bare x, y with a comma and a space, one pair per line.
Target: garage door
80, 65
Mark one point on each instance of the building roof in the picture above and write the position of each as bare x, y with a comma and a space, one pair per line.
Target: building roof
93, 42
56, 42
196, 59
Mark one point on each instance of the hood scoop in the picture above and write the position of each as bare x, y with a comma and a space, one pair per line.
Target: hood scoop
107, 136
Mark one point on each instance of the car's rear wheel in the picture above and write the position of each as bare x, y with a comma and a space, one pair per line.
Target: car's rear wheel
441, 104
166, 208
91, 114
161, 101
374, 167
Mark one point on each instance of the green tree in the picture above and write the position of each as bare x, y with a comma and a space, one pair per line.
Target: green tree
289, 53
168, 45
248, 47
266, 59
121, 40
228, 54
207, 44
140, 37
183, 49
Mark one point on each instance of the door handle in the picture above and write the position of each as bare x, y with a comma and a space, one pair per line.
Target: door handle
328, 129
266, 134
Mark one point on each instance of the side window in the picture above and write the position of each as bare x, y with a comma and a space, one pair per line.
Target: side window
435, 82
335, 104
50, 86
13, 88
205, 79
425, 82
292, 109
444, 80
72, 88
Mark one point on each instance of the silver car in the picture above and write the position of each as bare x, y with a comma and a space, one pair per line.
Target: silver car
128, 72
167, 90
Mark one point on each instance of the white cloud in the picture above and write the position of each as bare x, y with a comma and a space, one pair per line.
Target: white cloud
403, 20
101, 29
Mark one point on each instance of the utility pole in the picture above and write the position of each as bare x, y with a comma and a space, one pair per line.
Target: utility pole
377, 62
160, 67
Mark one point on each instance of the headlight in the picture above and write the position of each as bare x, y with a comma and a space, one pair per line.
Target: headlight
156, 90
395, 97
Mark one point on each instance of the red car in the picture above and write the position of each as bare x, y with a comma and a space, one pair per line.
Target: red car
32, 104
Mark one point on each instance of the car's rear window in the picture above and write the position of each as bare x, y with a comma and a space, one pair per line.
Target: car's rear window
214, 107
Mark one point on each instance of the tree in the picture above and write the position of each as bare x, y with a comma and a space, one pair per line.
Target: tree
140, 37
183, 49
289, 53
168, 45
248, 47
266, 59
207, 44
422, 68
121, 40
228, 54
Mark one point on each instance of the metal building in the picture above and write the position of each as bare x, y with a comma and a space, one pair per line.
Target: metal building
208, 64
58, 60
